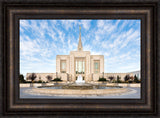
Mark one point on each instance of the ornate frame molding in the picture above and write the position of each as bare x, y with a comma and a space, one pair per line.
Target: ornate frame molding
147, 13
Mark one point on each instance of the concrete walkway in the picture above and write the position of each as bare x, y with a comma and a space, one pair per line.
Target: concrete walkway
133, 94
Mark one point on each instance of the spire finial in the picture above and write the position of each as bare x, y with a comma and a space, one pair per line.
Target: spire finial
80, 48
79, 32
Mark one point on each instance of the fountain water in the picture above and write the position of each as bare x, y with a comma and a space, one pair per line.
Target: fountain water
80, 80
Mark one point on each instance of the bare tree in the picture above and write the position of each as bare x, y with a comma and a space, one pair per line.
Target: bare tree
49, 78
126, 78
111, 78
131, 78
32, 77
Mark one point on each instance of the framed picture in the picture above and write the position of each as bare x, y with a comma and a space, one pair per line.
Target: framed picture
75, 58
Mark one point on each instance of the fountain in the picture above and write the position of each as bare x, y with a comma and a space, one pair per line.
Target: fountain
80, 80
79, 84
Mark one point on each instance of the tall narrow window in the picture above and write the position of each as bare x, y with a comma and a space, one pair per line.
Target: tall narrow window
83, 67
63, 66
77, 66
96, 66
80, 65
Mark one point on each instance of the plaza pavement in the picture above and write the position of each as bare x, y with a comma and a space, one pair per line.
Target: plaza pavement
135, 94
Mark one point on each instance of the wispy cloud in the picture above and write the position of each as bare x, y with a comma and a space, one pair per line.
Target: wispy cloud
42, 40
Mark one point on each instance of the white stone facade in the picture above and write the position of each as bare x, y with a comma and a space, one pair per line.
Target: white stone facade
71, 64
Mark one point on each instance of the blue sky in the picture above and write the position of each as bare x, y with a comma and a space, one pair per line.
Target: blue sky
42, 40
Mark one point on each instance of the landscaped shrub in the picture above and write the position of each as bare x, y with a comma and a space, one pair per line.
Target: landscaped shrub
40, 81
119, 81
102, 79
57, 79
27, 82
130, 81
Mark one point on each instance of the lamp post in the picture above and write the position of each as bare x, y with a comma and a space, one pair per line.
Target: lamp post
56, 74
103, 74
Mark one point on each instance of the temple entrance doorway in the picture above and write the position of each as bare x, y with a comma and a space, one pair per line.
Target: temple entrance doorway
80, 65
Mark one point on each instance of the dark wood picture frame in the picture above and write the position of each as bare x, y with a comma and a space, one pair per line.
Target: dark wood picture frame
146, 11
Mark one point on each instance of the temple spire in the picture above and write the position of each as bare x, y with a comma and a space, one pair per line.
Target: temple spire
80, 48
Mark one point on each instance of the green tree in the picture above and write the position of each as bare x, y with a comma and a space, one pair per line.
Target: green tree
136, 80
118, 79
21, 78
